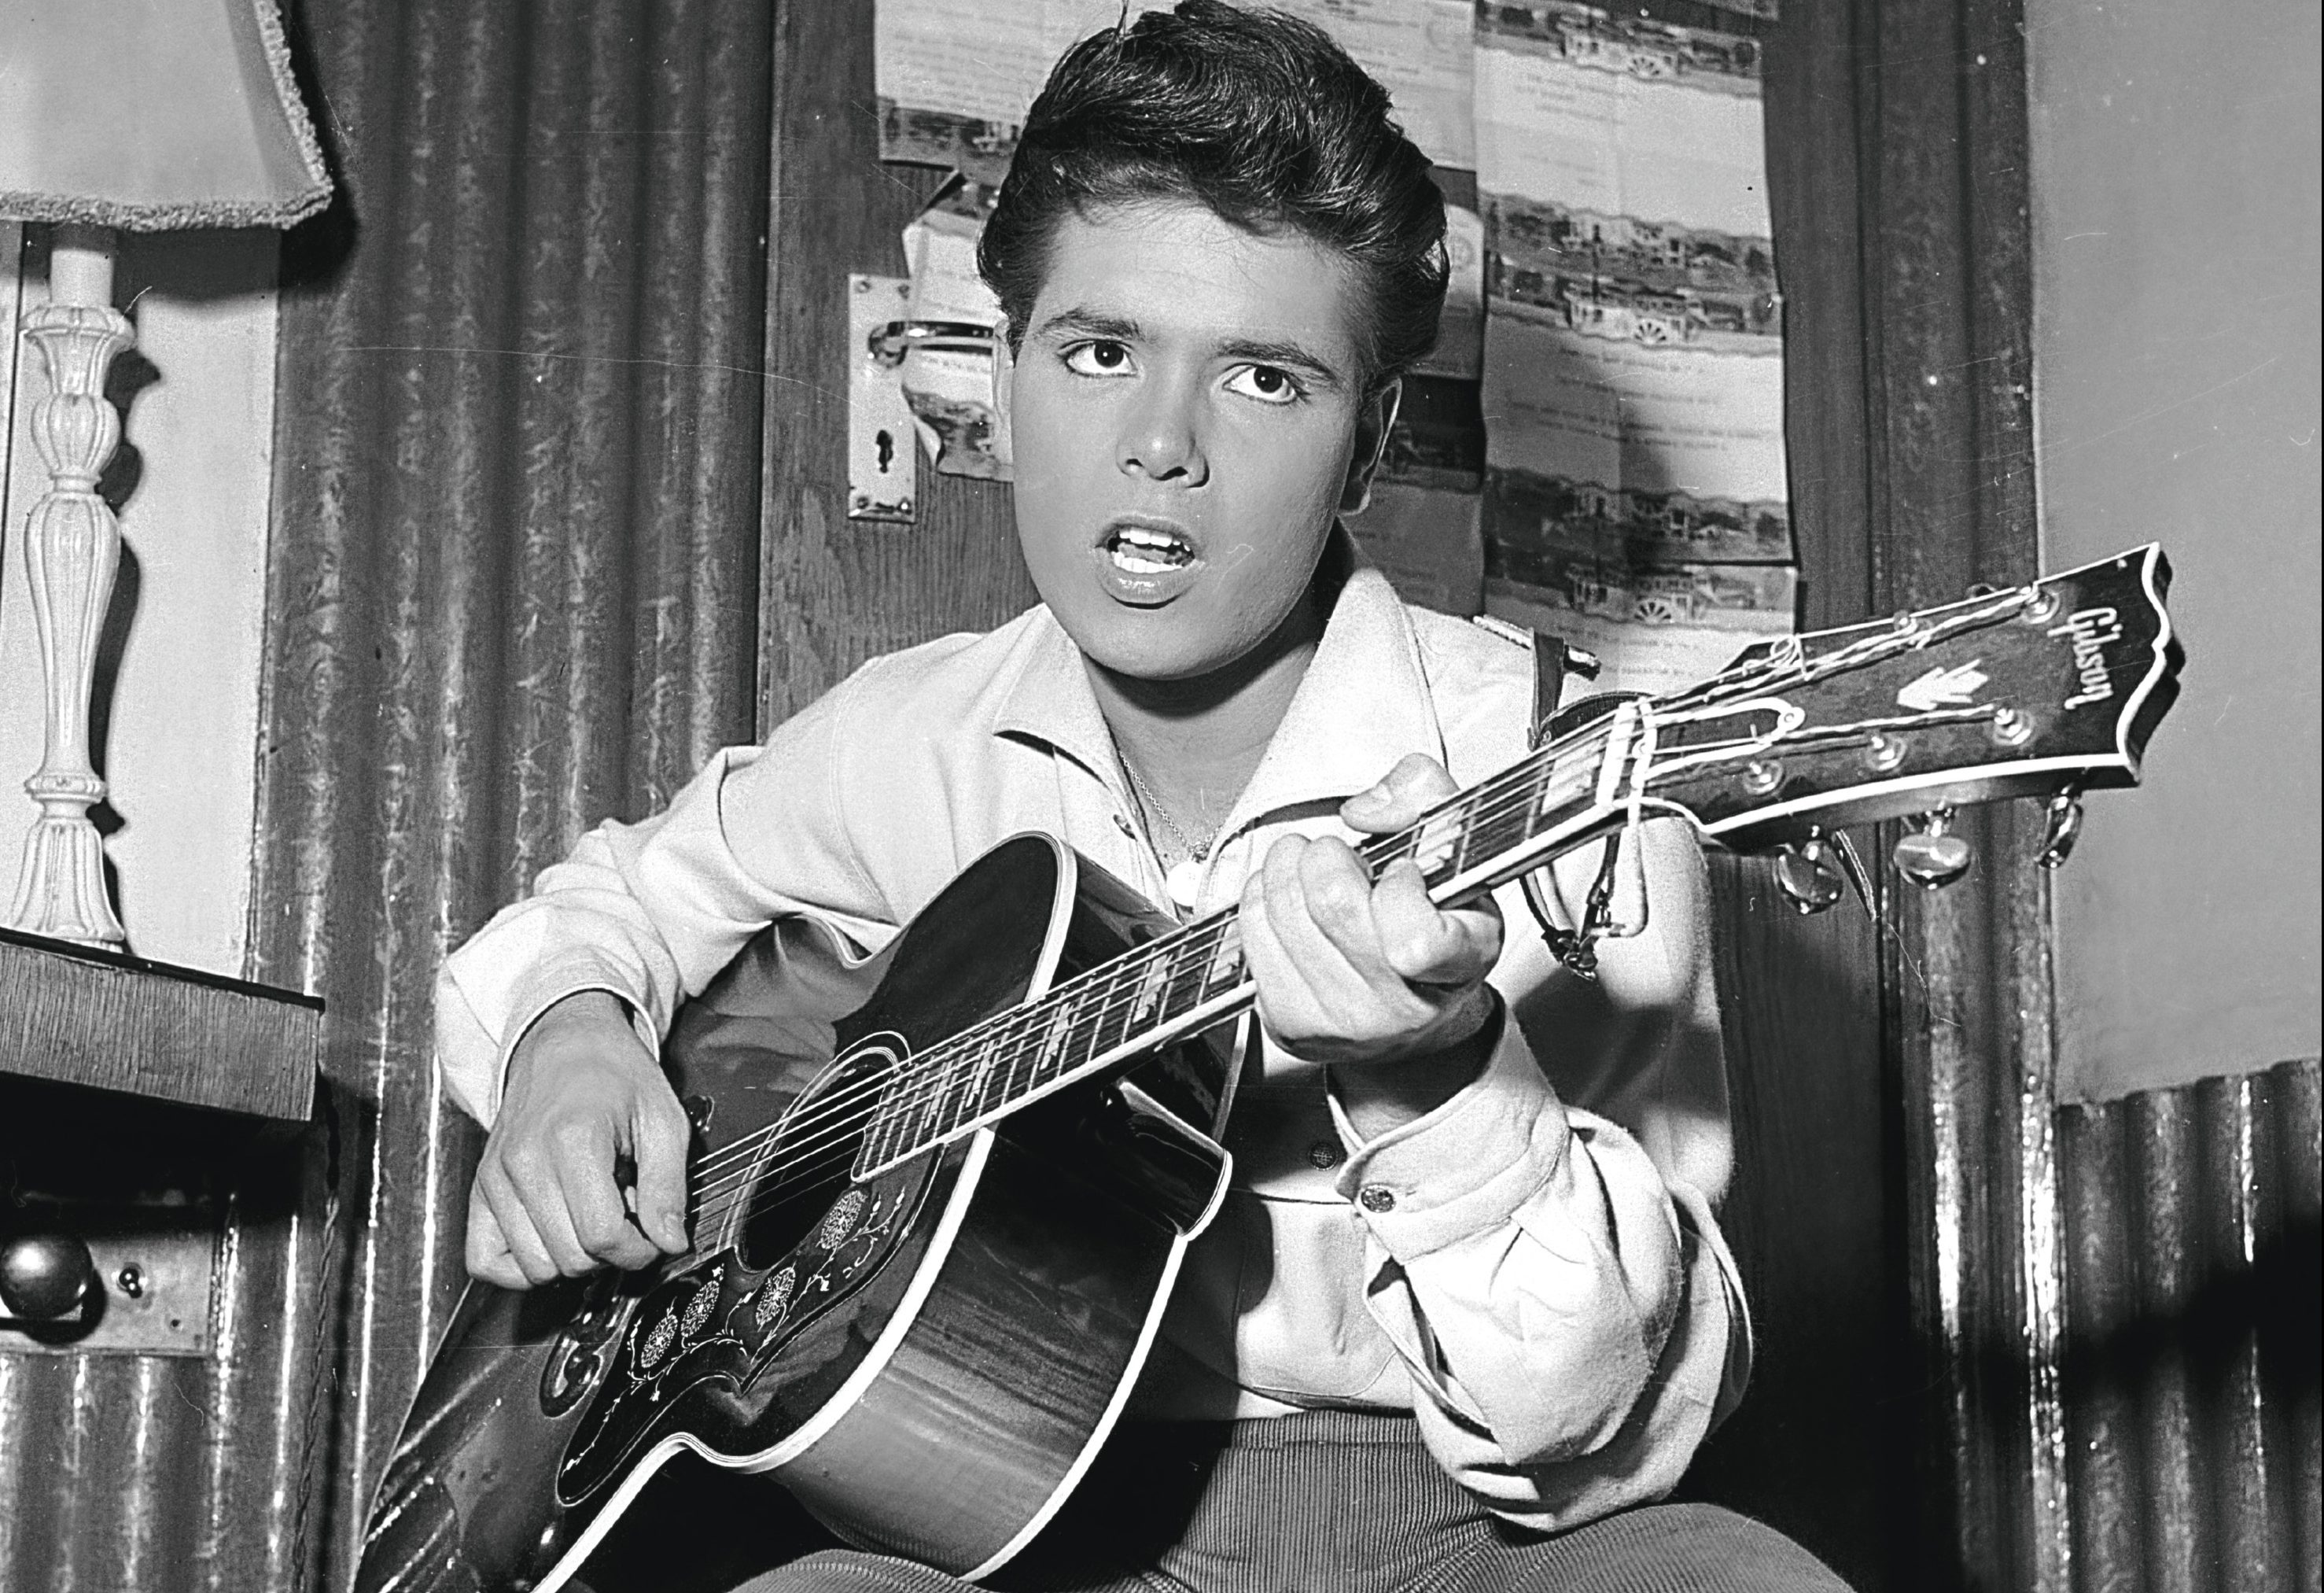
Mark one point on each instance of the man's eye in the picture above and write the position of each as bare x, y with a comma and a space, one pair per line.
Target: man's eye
1266, 383
1100, 358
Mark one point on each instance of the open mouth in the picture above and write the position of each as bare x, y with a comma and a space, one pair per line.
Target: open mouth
1147, 550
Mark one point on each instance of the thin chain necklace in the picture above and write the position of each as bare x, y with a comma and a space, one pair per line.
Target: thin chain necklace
1197, 851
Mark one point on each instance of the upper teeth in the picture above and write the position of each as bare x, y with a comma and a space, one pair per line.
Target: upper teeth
1160, 540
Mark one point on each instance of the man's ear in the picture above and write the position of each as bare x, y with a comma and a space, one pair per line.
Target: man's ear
1372, 427
1004, 387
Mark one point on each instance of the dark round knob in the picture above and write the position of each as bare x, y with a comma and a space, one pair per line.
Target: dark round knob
43, 1276
1808, 877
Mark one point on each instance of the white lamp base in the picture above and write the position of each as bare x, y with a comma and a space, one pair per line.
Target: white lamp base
72, 547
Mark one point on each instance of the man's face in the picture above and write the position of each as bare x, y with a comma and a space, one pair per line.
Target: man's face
1187, 417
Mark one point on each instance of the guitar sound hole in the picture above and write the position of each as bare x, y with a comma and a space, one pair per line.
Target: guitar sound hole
804, 1172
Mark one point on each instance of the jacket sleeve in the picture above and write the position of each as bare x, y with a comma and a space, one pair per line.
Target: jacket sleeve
1541, 1249
651, 911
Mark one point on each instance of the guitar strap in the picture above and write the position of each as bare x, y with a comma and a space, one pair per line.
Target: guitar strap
1555, 660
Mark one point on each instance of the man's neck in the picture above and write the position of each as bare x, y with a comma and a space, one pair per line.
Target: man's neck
1196, 743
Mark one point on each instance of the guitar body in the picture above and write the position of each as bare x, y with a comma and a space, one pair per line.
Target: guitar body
927, 1359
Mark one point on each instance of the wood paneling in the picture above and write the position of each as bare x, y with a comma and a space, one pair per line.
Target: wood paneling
834, 592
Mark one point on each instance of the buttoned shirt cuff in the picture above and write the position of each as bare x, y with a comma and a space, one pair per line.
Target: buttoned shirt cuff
1468, 1165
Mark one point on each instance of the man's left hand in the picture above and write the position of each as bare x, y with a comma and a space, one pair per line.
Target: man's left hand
1371, 976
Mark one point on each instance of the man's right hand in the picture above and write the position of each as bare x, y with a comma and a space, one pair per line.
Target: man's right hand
581, 1091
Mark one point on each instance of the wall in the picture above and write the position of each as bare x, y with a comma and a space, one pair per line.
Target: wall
2175, 179
188, 606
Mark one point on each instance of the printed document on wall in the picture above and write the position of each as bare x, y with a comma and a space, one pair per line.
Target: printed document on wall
1633, 368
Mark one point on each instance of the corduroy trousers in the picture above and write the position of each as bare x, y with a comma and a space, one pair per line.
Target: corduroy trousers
1330, 1502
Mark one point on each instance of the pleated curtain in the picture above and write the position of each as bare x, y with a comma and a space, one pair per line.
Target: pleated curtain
511, 588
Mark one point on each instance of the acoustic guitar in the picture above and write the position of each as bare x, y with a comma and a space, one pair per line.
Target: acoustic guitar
940, 1198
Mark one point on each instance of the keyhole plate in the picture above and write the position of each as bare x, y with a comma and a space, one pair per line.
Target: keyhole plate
882, 465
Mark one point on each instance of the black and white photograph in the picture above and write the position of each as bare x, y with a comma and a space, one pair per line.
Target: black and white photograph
1161, 796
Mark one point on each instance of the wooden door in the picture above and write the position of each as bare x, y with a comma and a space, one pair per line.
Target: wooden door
836, 592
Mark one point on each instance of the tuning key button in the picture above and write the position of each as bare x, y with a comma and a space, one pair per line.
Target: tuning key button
1808, 876
2063, 830
1933, 858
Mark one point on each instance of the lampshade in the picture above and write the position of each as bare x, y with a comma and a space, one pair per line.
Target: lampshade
152, 115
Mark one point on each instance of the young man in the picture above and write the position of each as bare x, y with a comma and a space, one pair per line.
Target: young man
1467, 1312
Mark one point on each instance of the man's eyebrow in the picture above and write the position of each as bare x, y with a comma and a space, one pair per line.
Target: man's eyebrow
1289, 356
1091, 323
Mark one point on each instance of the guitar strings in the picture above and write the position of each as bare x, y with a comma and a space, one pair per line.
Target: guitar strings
1055, 1023
1036, 1021
1025, 1019
1055, 1020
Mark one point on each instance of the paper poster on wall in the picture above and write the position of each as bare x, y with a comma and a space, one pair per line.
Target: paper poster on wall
1620, 116
1635, 489
1419, 50
1564, 403
954, 80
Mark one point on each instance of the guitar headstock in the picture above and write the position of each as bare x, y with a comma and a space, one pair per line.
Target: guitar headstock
2035, 690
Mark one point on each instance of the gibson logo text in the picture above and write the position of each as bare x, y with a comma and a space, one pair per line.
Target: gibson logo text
2089, 630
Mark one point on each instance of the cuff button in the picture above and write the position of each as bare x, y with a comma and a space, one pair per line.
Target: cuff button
1375, 1198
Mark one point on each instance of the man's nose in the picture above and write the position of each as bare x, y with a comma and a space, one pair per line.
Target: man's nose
1162, 438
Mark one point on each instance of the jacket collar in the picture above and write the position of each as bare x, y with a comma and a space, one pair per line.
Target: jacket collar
1362, 704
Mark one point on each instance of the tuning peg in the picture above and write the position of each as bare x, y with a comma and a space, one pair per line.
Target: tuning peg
1808, 876
2063, 830
1933, 858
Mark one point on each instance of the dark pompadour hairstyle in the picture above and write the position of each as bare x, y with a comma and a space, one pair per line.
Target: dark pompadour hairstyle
1259, 117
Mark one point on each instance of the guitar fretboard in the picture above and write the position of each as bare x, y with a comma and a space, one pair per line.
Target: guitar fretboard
1193, 979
